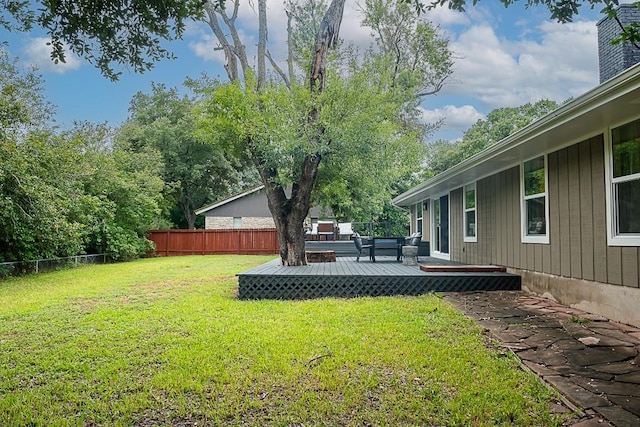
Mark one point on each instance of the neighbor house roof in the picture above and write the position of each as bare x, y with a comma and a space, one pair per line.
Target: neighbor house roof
229, 200
613, 102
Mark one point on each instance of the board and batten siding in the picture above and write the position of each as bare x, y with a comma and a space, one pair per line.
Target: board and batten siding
577, 222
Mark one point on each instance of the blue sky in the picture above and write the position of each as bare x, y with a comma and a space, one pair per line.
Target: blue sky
505, 57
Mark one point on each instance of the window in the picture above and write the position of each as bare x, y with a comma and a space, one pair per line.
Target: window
623, 193
237, 222
419, 217
534, 201
470, 213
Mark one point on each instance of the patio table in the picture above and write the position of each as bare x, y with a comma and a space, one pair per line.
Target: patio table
387, 245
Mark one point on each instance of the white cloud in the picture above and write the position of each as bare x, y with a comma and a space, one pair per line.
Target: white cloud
38, 54
206, 48
446, 17
560, 64
455, 119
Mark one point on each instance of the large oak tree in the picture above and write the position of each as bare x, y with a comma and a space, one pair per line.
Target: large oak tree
330, 124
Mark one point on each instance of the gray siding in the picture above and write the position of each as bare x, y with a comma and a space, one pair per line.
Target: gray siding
254, 205
577, 222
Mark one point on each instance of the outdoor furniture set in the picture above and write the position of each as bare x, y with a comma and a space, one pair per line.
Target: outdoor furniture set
404, 248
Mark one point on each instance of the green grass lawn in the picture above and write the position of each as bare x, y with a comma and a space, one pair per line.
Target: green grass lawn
164, 341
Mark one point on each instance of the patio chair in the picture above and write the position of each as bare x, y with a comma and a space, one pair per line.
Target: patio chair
357, 240
414, 239
327, 230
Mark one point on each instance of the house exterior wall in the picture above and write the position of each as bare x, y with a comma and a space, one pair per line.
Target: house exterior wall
253, 209
577, 222
426, 222
255, 203
577, 266
221, 223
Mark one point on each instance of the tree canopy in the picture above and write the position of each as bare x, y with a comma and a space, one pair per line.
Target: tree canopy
499, 124
336, 126
68, 193
115, 33
195, 172
130, 33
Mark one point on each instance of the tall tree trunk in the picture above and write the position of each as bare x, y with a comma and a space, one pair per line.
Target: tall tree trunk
288, 213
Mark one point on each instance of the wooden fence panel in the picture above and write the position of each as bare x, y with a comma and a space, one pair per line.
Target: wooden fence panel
209, 242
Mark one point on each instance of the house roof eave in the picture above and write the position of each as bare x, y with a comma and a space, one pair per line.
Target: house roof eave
589, 114
215, 205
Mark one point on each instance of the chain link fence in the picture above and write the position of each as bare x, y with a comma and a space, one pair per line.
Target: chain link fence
18, 268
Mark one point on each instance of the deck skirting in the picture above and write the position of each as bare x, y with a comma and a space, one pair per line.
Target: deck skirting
347, 279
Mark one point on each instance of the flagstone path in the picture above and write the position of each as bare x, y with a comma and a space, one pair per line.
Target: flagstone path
592, 361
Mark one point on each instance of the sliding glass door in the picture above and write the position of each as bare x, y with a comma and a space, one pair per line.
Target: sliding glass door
440, 230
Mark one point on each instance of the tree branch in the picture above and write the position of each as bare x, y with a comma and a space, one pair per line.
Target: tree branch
262, 43
232, 64
238, 47
278, 69
326, 38
328, 354
289, 48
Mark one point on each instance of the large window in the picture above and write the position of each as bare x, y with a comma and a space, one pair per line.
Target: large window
534, 201
470, 213
624, 188
419, 217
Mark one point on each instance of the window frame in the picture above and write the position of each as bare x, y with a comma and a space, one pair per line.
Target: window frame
419, 217
613, 237
534, 238
465, 210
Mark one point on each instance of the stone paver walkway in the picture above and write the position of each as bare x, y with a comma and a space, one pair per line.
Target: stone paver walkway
592, 361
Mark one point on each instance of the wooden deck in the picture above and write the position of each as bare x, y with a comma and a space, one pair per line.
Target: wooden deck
348, 278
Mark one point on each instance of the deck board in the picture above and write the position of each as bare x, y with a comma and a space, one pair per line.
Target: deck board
348, 278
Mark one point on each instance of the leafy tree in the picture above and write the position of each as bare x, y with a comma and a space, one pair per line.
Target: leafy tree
195, 172
337, 128
118, 191
22, 106
69, 193
130, 32
120, 32
33, 207
30, 203
73, 193
499, 124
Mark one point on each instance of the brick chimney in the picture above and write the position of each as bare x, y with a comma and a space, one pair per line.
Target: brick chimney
614, 59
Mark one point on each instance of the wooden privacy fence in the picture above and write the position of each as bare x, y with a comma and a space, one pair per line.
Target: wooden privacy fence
240, 241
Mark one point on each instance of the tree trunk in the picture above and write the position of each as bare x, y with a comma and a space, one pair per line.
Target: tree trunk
288, 213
